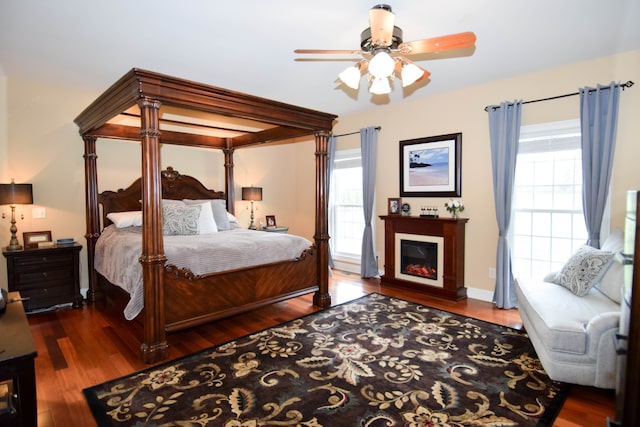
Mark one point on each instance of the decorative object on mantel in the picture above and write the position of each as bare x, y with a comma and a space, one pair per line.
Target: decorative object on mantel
15, 194
429, 212
406, 209
454, 207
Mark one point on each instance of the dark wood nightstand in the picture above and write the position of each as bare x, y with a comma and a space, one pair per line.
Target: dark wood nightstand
47, 276
17, 354
282, 230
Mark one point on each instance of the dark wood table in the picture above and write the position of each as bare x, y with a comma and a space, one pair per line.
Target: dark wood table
17, 354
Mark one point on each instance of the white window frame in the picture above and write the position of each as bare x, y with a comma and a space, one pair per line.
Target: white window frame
344, 261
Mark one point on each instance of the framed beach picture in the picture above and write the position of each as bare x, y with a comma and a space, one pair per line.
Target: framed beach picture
431, 166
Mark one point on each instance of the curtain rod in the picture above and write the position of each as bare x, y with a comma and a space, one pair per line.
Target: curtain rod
622, 85
353, 133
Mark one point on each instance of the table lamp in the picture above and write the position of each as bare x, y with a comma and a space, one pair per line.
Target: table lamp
253, 194
15, 194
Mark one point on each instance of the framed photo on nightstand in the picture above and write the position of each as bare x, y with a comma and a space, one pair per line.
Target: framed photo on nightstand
271, 221
33, 238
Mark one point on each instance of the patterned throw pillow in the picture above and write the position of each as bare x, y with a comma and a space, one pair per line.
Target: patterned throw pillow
583, 270
180, 220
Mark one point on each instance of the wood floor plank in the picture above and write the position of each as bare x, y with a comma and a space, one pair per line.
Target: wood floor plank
78, 348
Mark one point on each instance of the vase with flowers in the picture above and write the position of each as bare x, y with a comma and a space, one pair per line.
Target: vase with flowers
454, 207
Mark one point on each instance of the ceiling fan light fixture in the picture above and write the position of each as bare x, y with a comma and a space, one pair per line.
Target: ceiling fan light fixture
410, 74
351, 76
382, 64
380, 86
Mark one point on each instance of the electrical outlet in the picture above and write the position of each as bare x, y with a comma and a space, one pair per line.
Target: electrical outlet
39, 213
492, 273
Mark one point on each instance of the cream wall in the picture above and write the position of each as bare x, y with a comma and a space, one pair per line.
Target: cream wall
463, 111
40, 144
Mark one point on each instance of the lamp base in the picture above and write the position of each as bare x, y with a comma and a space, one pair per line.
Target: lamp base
13, 248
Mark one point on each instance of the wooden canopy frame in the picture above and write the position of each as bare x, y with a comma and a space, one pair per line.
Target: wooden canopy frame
142, 97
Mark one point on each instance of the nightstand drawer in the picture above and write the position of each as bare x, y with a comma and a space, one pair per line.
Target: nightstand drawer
43, 261
31, 279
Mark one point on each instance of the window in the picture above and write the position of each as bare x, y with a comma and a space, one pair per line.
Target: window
548, 223
346, 217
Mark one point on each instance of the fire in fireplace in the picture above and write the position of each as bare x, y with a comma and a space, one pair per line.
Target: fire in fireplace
419, 258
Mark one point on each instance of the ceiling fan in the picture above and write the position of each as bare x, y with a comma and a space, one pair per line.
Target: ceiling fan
385, 52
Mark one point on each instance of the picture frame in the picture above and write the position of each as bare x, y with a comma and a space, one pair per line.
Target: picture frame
33, 238
431, 166
394, 205
271, 221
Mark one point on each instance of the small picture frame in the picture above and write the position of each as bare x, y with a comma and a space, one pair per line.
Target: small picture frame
271, 221
33, 238
394, 205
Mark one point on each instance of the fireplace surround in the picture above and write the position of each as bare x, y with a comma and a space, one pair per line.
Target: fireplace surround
433, 258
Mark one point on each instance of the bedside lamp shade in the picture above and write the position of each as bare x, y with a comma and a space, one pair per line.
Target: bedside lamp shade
15, 194
253, 194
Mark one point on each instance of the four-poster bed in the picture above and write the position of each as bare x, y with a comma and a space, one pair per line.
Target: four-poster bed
168, 110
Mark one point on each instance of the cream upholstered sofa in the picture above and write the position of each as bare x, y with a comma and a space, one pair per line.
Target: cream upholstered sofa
572, 316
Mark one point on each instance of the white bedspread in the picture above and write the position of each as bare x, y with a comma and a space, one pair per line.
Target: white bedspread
118, 250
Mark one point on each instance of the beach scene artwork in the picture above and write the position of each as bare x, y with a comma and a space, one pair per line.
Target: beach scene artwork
429, 167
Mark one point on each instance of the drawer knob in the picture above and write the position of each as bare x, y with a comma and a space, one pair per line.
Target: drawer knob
44, 259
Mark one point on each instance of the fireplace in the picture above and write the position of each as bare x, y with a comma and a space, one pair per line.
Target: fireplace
419, 258
425, 255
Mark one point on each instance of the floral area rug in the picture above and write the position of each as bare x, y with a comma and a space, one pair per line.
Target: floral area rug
375, 361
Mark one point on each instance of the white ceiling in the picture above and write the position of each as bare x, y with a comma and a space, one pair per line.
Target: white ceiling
247, 45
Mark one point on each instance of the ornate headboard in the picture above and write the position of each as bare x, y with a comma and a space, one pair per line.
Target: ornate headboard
174, 186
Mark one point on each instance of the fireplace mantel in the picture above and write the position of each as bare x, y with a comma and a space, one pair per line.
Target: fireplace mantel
450, 229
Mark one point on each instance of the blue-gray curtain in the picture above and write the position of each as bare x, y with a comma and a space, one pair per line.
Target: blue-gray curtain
598, 122
331, 162
368, 149
504, 132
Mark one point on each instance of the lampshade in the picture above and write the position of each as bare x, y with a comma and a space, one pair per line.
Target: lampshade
410, 73
252, 193
351, 76
382, 64
380, 86
16, 194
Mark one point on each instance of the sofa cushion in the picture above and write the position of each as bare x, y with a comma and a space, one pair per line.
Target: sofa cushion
558, 317
611, 282
584, 269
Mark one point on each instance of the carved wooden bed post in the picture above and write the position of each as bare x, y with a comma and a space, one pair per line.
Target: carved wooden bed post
322, 298
155, 346
229, 184
92, 213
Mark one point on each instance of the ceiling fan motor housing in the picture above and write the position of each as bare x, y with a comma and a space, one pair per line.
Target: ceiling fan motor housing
366, 44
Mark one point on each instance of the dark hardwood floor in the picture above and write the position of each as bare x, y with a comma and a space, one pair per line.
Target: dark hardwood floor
78, 348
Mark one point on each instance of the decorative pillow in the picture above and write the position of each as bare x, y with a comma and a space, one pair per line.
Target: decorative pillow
125, 219
233, 221
583, 270
613, 278
180, 220
219, 209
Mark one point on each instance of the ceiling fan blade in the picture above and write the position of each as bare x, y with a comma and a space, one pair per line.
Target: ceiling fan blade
438, 44
330, 52
381, 22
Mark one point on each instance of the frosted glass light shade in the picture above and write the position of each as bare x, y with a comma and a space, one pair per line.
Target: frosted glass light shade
351, 77
411, 73
380, 86
381, 65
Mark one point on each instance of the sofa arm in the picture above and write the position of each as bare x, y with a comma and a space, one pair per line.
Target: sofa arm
603, 324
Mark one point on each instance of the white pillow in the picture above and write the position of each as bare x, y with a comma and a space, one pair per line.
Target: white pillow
219, 209
233, 221
125, 219
207, 224
583, 270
